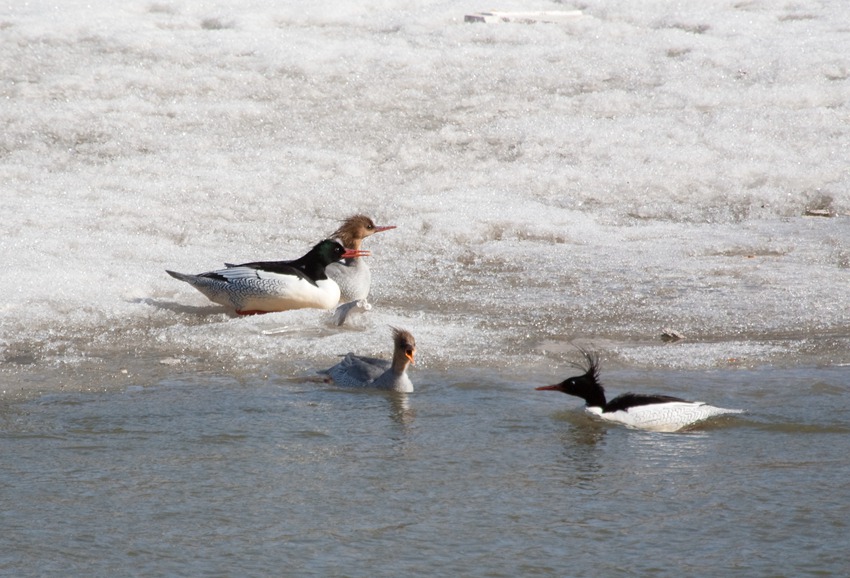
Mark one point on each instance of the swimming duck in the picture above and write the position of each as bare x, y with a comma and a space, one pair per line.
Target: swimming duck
358, 371
661, 413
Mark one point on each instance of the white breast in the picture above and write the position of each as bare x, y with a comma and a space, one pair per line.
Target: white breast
354, 279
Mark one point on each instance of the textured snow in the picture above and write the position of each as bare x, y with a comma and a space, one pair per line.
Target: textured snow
647, 165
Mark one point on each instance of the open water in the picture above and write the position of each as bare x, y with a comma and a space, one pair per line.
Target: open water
474, 474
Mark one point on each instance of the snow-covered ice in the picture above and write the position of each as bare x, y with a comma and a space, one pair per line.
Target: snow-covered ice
647, 165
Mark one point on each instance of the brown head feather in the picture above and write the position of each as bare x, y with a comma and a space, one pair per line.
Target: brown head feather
405, 344
353, 230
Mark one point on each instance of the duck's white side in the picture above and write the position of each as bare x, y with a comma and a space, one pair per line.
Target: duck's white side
250, 290
669, 416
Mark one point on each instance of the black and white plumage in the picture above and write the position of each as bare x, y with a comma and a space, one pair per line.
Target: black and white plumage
267, 286
352, 274
662, 413
371, 372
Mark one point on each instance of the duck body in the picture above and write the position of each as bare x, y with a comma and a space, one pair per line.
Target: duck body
656, 412
267, 286
357, 371
352, 274
661, 413
353, 277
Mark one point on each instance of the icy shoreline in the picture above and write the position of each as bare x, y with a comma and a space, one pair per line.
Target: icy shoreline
479, 309
637, 168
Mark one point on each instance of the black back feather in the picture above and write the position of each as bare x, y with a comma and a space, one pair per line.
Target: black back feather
629, 400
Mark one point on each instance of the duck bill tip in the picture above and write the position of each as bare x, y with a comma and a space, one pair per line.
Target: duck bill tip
354, 253
547, 388
384, 228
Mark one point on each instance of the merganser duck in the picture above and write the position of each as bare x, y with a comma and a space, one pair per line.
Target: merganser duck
352, 274
357, 371
266, 286
662, 413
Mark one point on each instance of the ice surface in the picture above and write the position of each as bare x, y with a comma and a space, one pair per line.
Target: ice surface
644, 166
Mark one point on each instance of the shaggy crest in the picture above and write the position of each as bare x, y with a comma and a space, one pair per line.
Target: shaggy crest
353, 229
590, 365
404, 340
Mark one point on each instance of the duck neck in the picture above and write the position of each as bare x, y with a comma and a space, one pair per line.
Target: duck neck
311, 267
400, 362
350, 242
594, 396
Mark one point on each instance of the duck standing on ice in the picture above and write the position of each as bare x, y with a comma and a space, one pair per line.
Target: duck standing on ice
362, 372
267, 286
352, 274
662, 413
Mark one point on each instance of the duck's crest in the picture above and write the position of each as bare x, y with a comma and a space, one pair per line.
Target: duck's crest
590, 365
349, 231
402, 337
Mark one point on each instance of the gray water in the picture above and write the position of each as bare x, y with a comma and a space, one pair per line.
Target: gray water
474, 474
